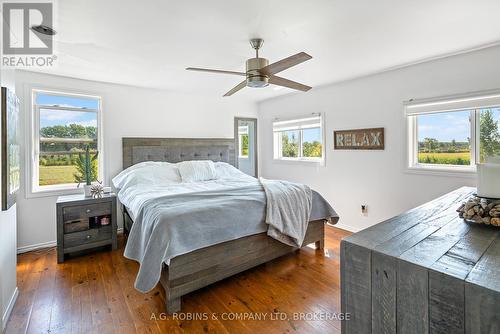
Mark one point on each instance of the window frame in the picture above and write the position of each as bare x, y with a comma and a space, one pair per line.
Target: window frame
463, 102
33, 189
277, 141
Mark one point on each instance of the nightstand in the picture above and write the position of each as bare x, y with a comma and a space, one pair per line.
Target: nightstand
85, 223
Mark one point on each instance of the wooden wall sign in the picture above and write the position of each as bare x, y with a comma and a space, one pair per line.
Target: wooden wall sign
359, 139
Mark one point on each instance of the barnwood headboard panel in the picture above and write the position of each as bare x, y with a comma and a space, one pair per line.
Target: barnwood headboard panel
173, 150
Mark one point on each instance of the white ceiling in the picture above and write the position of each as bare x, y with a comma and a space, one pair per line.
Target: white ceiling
149, 43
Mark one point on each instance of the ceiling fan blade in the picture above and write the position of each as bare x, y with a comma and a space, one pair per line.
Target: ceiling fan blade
283, 64
241, 85
215, 71
288, 83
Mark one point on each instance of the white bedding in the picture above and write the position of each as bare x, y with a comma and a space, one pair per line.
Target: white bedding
172, 218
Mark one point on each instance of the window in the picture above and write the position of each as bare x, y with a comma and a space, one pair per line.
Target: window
64, 126
298, 139
243, 141
453, 134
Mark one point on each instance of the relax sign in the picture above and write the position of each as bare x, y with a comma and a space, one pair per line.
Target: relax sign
359, 139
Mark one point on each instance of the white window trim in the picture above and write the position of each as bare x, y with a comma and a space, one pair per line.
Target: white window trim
471, 101
31, 137
301, 160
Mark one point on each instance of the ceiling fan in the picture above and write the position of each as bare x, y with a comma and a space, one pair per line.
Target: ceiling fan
259, 73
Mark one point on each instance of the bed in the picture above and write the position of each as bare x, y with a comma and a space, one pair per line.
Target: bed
189, 269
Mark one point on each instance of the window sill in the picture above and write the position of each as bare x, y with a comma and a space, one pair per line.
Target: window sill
449, 171
50, 191
310, 162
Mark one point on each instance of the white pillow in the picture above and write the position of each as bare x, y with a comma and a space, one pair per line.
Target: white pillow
148, 172
227, 171
197, 170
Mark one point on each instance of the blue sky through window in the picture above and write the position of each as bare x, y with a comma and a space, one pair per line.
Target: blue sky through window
447, 126
312, 135
51, 117
444, 126
67, 101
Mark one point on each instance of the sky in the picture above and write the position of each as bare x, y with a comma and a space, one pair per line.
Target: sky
51, 117
447, 126
311, 135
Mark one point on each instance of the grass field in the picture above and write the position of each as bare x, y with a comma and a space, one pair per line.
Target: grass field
459, 158
56, 174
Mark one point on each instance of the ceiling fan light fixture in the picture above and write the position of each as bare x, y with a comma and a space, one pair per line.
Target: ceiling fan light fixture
257, 82
259, 73
255, 78
44, 30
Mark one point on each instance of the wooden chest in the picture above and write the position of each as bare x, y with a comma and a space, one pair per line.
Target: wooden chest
424, 271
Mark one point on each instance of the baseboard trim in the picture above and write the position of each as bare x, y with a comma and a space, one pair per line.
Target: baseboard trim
33, 247
346, 227
9, 309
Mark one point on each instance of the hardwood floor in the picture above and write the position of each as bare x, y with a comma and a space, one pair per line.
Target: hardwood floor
94, 293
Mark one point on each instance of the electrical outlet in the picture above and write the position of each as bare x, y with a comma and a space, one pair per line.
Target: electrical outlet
364, 209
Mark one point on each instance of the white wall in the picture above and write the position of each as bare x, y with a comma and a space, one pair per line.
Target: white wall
375, 178
8, 289
127, 112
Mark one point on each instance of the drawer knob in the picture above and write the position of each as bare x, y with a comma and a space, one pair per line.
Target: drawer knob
88, 210
88, 237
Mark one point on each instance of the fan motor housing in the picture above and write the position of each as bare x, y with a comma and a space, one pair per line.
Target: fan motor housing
254, 77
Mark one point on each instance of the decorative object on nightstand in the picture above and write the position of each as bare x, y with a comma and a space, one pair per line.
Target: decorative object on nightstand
97, 190
87, 171
85, 223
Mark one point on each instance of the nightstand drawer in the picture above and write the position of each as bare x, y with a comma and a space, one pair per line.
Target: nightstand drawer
72, 226
87, 237
85, 211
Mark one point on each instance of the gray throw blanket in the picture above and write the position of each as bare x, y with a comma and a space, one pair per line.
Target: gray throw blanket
288, 210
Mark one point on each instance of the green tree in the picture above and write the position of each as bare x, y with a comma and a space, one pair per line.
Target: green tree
69, 131
289, 145
489, 136
430, 144
244, 145
312, 149
66, 131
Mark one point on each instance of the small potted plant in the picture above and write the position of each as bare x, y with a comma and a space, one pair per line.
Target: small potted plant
86, 170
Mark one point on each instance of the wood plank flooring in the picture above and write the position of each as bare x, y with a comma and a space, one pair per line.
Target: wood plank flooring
94, 293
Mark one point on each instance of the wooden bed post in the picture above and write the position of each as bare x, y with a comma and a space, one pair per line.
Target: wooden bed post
320, 243
173, 305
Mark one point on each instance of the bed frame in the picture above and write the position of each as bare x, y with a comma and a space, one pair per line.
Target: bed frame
202, 267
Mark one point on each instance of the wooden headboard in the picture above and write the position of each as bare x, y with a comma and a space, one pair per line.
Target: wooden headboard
173, 150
